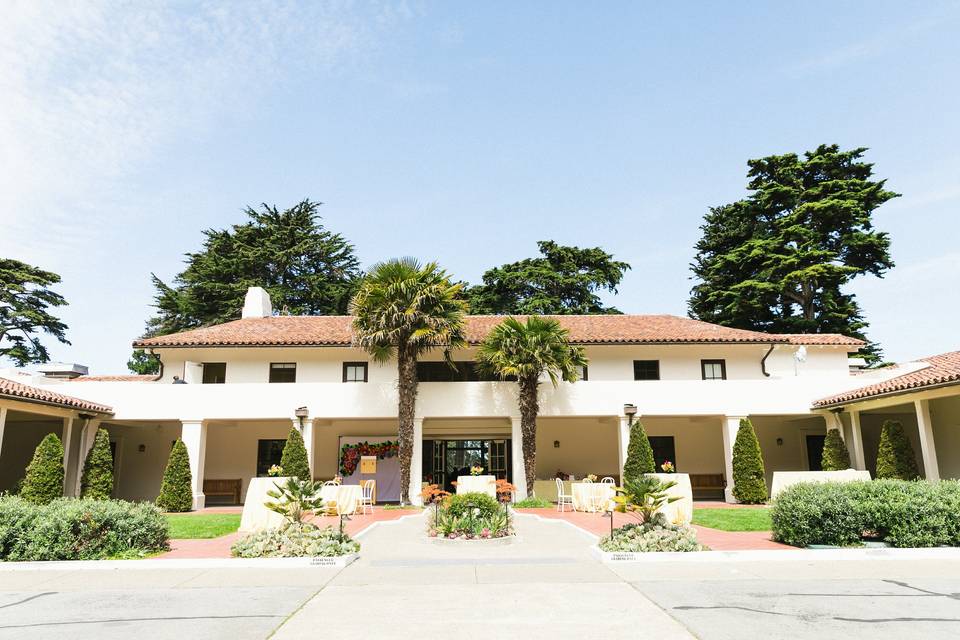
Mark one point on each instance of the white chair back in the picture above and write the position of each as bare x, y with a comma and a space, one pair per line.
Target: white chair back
607, 480
559, 487
366, 488
330, 483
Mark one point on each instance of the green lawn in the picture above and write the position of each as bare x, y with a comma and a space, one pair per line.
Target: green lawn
208, 525
737, 519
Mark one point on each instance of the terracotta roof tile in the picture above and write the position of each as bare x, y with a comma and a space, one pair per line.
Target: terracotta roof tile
28, 393
825, 339
599, 329
942, 369
115, 378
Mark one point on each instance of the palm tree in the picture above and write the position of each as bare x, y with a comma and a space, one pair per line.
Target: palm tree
524, 352
404, 309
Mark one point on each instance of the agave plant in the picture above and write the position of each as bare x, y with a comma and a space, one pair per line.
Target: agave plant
294, 499
644, 496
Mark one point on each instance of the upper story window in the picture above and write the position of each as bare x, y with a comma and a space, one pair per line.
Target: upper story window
713, 369
354, 371
646, 369
452, 372
214, 372
283, 372
584, 373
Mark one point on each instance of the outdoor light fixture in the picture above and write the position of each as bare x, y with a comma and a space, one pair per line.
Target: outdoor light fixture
779, 442
556, 444
142, 448
301, 414
630, 410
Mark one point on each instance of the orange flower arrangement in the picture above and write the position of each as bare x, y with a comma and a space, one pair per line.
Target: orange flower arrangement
505, 490
432, 493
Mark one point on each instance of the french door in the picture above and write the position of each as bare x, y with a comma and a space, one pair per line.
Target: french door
453, 458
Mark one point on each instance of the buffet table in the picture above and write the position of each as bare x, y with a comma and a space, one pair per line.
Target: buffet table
592, 496
477, 484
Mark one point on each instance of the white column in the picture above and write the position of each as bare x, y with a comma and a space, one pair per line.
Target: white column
833, 422
856, 442
416, 462
3, 423
623, 442
519, 469
88, 433
307, 432
928, 449
67, 458
194, 436
731, 424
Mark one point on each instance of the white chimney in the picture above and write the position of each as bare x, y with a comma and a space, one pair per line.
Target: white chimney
65, 370
257, 304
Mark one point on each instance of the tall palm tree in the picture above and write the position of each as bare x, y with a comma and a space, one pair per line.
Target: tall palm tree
404, 309
525, 351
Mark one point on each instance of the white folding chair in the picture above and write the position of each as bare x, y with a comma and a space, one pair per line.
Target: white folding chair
563, 499
366, 496
608, 480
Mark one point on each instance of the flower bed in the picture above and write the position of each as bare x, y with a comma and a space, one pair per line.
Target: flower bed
350, 454
295, 541
654, 535
469, 516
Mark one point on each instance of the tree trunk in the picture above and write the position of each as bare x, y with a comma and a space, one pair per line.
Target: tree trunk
529, 408
407, 392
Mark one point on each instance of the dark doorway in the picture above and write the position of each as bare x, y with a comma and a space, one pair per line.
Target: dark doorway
663, 450
815, 452
444, 460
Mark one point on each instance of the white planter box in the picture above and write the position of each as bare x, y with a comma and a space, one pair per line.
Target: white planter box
784, 479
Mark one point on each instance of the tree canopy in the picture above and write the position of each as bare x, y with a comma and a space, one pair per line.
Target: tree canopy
565, 280
25, 301
778, 259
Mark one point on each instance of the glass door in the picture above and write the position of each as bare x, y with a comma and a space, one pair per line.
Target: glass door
453, 458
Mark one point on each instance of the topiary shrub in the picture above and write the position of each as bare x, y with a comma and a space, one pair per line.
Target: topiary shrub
639, 454
294, 459
749, 482
44, 479
895, 458
97, 479
835, 454
461, 503
176, 490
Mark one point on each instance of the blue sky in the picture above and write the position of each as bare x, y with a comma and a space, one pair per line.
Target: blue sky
464, 133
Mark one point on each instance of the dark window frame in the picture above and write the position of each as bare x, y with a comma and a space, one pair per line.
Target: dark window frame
264, 466
639, 363
284, 367
364, 365
585, 373
723, 368
208, 364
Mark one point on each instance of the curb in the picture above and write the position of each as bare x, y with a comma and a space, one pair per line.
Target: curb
182, 563
775, 555
580, 530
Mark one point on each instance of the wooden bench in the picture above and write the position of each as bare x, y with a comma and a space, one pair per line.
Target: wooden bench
228, 488
707, 485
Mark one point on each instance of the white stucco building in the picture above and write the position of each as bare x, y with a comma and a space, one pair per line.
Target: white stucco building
690, 381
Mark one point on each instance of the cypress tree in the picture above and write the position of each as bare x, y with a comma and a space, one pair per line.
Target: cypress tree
749, 484
835, 454
176, 492
639, 454
294, 459
896, 459
44, 479
97, 479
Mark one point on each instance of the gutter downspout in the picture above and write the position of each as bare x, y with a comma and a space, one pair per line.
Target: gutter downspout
154, 354
763, 361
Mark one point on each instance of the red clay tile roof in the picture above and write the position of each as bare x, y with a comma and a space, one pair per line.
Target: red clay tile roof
837, 339
944, 369
601, 329
27, 393
116, 378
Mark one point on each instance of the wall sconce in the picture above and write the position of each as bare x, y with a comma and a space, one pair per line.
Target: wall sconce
779, 442
556, 444
142, 448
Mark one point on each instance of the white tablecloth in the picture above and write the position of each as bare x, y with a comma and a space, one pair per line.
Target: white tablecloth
345, 496
477, 484
591, 496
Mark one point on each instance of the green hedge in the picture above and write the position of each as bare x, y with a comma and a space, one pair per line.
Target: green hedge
44, 479
902, 513
460, 503
749, 482
84, 529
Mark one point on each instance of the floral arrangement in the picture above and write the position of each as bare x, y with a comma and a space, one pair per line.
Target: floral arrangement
667, 467
470, 516
562, 475
591, 477
505, 490
476, 470
275, 470
350, 454
433, 494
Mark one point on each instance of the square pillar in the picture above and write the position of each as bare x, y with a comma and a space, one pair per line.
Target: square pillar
730, 425
88, 433
856, 442
623, 442
306, 431
833, 422
518, 465
194, 436
416, 463
928, 449
3, 423
69, 462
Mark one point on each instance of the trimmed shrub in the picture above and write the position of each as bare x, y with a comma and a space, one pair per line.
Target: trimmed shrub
639, 454
84, 529
749, 482
895, 458
835, 454
294, 459
294, 541
460, 504
901, 513
176, 491
44, 479
97, 479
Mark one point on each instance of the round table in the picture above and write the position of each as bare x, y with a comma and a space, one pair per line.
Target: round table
344, 498
591, 496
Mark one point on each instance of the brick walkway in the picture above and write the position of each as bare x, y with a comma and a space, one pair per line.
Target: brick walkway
599, 524
220, 547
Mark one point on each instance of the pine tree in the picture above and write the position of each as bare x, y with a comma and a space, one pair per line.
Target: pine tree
639, 454
749, 483
294, 459
895, 458
176, 491
44, 479
835, 454
97, 479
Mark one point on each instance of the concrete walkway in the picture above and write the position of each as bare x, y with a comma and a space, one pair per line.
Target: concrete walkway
545, 585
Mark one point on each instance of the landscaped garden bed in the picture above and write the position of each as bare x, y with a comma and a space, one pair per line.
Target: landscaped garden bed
645, 496
468, 516
733, 518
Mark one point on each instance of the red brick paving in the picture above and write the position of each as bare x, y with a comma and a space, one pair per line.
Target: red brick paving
220, 547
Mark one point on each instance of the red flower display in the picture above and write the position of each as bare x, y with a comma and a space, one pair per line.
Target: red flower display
350, 454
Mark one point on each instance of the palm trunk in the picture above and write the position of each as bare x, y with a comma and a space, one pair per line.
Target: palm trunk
407, 392
529, 408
